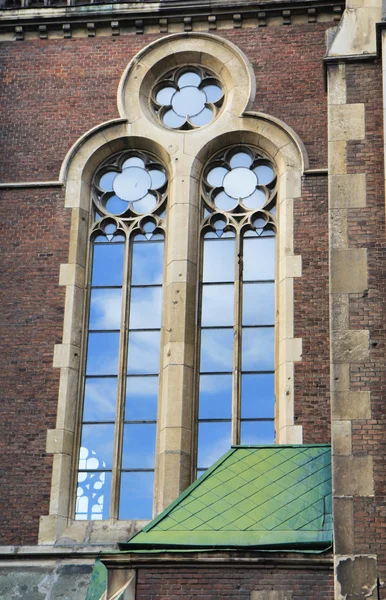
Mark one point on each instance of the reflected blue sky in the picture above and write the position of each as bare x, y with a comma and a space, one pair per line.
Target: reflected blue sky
257, 396
98, 440
216, 350
138, 446
147, 263
141, 398
258, 349
258, 258
107, 266
257, 432
214, 439
100, 398
215, 397
102, 354
136, 497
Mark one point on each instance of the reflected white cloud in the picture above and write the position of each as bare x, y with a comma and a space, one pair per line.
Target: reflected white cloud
105, 309
219, 260
217, 305
145, 308
258, 304
100, 399
258, 349
216, 350
144, 352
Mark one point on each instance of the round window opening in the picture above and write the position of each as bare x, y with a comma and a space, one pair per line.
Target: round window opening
187, 98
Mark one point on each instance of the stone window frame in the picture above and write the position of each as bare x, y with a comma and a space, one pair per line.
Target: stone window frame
184, 153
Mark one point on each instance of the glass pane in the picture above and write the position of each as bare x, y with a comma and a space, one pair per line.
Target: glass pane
215, 397
257, 349
105, 309
136, 497
147, 263
102, 354
190, 78
144, 352
240, 159
141, 399
225, 202
132, 184
264, 174
216, 176
158, 178
219, 260
216, 350
213, 92
146, 204
100, 398
258, 303
214, 440
138, 446
189, 101
217, 305
106, 181
171, 119
203, 118
257, 397
115, 205
255, 200
96, 447
164, 96
107, 264
257, 432
240, 182
93, 496
259, 259
145, 308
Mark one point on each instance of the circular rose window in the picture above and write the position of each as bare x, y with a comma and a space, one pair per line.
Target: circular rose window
187, 98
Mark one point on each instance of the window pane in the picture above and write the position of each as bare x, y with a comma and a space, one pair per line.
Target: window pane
217, 305
214, 439
138, 446
216, 350
215, 397
93, 496
145, 308
257, 396
258, 303
100, 398
96, 447
258, 349
107, 268
147, 264
219, 260
136, 498
102, 354
105, 309
258, 259
141, 399
257, 432
144, 350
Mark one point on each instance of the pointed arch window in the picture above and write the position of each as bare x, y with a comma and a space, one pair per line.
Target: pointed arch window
237, 301
122, 349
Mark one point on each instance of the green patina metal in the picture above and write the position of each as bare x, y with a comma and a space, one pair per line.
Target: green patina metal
258, 497
98, 583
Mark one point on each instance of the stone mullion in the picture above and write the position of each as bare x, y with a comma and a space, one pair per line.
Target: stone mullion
175, 423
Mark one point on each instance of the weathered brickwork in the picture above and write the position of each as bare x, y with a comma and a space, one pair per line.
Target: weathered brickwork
34, 242
74, 84
208, 584
366, 228
311, 321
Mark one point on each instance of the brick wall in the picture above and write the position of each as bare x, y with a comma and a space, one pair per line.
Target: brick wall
232, 582
311, 319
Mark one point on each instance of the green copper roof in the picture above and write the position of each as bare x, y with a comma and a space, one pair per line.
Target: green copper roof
98, 582
262, 497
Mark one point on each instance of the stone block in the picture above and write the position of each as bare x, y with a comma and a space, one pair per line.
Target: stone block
351, 405
349, 270
343, 514
356, 577
348, 191
341, 438
352, 476
346, 122
350, 346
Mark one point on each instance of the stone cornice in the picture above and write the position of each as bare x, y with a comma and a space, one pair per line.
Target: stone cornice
168, 16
